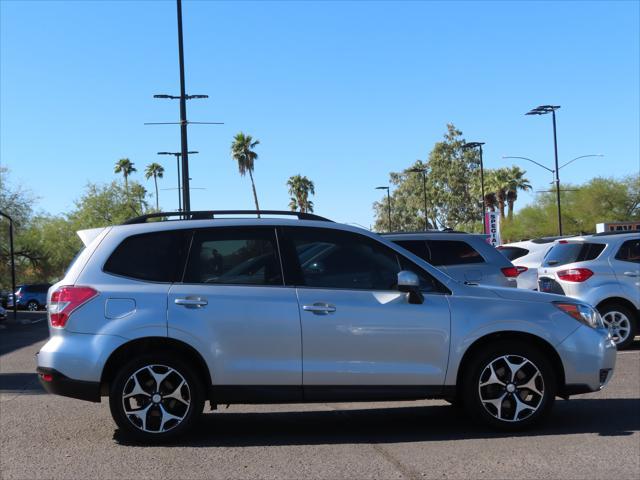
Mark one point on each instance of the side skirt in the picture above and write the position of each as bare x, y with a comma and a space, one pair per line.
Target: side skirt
255, 394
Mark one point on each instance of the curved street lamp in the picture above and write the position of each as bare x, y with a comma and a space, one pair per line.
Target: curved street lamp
388, 203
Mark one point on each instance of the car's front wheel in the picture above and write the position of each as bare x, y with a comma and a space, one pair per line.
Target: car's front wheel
156, 398
33, 306
510, 385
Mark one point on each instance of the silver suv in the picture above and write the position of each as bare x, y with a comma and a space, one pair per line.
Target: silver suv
463, 256
602, 270
162, 316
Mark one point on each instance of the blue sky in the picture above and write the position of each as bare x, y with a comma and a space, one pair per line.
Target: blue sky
342, 92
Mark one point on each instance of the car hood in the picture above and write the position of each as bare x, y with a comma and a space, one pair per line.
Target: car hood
526, 295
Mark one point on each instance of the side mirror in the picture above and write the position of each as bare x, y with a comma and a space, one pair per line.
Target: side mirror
409, 283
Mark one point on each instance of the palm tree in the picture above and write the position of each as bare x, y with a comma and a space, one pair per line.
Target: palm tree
242, 152
497, 185
125, 166
299, 188
156, 171
517, 181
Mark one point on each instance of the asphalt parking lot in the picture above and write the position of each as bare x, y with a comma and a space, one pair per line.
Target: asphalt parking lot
42, 436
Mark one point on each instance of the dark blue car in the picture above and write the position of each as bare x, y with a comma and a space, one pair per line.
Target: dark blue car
30, 297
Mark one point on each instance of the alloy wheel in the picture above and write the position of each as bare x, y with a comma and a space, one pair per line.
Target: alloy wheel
618, 324
32, 306
511, 388
156, 398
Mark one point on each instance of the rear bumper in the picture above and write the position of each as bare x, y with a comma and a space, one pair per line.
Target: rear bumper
58, 384
589, 359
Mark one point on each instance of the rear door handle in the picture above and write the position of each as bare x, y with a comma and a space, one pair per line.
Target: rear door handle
191, 302
632, 274
319, 308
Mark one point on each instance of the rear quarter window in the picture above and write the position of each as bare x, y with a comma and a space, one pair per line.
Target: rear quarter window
564, 253
513, 252
156, 256
452, 252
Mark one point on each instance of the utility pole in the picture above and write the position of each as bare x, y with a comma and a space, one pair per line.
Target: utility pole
13, 266
186, 197
178, 155
543, 110
478, 145
183, 97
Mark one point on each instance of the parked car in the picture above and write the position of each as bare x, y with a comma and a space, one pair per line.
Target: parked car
529, 255
161, 316
30, 297
3, 313
465, 257
602, 270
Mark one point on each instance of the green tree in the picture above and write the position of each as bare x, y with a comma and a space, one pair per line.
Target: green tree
453, 190
126, 168
517, 181
583, 206
299, 188
242, 151
156, 171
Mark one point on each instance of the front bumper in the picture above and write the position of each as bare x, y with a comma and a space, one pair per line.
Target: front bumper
58, 384
589, 359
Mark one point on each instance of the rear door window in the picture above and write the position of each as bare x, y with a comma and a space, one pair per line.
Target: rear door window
234, 256
629, 251
156, 256
452, 252
564, 253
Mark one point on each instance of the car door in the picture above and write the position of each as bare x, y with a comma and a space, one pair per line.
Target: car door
626, 265
358, 330
233, 305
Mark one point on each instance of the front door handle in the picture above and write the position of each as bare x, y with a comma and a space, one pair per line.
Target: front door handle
191, 302
632, 274
319, 308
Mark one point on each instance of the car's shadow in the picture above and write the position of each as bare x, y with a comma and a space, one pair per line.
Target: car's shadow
605, 417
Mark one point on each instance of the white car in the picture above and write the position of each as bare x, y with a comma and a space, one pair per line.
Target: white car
528, 254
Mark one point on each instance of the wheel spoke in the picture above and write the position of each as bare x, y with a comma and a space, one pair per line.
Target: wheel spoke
497, 403
159, 377
137, 389
493, 378
531, 384
141, 414
520, 406
177, 393
167, 417
515, 367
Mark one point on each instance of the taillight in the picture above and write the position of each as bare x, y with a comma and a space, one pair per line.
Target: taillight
510, 272
575, 274
65, 300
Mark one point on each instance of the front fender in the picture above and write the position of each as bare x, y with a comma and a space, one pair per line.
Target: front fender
475, 318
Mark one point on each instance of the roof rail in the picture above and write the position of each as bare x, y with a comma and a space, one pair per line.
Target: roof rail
211, 214
615, 232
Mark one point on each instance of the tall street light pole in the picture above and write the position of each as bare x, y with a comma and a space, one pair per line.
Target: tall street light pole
178, 155
423, 171
13, 265
543, 110
388, 203
478, 145
186, 197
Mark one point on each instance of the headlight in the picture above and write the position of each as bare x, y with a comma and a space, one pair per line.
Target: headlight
583, 313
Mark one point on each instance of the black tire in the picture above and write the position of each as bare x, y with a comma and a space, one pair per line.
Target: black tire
130, 425
33, 306
611, 308
478, 368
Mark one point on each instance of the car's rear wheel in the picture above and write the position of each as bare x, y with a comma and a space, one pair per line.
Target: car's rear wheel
510, 385
621, 323
156, 398
33, 306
